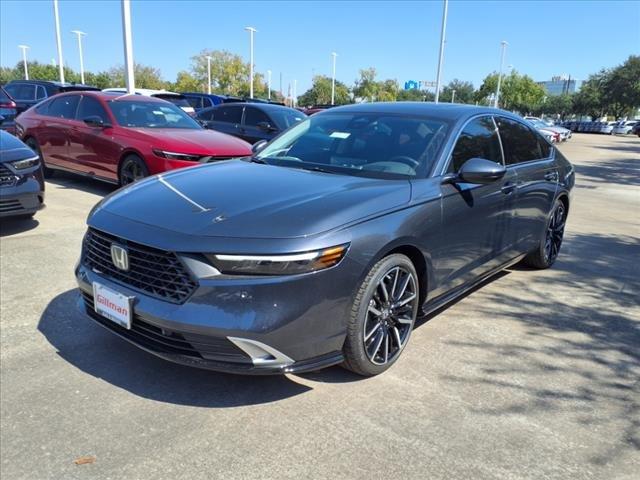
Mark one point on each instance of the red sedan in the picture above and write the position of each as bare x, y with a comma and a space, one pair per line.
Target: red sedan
120, 138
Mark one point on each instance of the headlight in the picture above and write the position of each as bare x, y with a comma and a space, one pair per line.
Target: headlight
176, 156
26, 163
289, 264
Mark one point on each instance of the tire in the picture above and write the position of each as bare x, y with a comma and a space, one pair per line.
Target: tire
548, 248
388, 323
132, 168
33, 145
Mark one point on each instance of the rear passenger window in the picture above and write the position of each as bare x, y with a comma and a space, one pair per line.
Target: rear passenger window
206, 114
64, 107
228, 114
479, 139
21, 91
520, 143
195, 102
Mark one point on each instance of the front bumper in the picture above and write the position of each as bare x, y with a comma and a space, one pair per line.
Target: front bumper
301, 319
24, 198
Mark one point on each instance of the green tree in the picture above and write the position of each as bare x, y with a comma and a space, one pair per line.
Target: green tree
320, 92
590, 98
622, 88
229, 73
465, 92
415, 96
517, 92
185, 82
145, 77
366, 86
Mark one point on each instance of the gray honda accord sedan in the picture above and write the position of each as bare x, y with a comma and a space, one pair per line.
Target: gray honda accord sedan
326, 244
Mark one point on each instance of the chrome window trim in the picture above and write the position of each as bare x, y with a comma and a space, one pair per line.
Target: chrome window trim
535, 133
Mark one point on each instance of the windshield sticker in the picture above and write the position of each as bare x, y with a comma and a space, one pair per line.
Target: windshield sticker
341, 135
423, 130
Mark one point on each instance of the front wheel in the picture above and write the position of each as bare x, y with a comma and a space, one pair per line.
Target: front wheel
548, 248
131, 170
382, 316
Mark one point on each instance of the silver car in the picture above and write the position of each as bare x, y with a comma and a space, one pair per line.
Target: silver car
624, 127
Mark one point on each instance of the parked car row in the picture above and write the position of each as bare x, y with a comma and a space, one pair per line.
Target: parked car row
622, 127
553, 133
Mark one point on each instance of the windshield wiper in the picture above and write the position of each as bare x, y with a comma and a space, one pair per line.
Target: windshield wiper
317, 169
257, 160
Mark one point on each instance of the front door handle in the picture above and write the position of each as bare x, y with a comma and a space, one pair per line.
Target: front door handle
508, 188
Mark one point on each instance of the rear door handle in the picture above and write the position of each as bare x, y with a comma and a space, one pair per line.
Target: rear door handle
551, 176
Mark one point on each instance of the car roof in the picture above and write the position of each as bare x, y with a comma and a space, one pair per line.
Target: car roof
260, 106
447, 111
142, 91
114, 96
52, 82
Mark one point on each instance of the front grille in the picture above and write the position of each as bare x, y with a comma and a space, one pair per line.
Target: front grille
162, 340
10, 206
7, 177
156, 272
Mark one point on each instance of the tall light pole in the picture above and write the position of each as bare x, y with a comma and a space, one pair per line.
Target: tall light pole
80, 34
251, 31
269, 85
58, 41
333, 79
504, 49
128, 49
453, 94
295, 95
24, 60
209, 74
442, 40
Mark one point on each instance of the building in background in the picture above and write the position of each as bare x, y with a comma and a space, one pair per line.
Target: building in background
559, 85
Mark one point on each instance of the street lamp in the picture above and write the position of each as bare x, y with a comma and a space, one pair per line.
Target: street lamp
333, 81
80, 34
442, 41
504, 48
251, 31
128, 48
209, 74
295, 96
269, 85
24, 60
56, 17
453, 94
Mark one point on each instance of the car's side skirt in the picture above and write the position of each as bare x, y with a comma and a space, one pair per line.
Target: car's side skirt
431, 305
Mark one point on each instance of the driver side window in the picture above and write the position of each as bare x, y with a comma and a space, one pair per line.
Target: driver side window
478, 139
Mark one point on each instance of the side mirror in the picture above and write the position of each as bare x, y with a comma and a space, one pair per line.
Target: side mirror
259, 145
95, 122
480, 171
1, 119
265, 126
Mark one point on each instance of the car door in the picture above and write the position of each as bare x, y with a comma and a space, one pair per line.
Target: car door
256, 125
54, 145
531, 157
93, 149
227, 119
476, 218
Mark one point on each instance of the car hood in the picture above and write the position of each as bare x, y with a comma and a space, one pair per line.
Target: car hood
247, 200
195, 141
557, 129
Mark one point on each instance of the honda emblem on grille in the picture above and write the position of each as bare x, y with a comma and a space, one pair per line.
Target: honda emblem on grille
119, 257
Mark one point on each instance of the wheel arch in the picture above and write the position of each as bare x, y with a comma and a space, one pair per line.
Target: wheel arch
420, 260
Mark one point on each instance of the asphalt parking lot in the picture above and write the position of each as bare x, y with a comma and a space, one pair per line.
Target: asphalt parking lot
534, 375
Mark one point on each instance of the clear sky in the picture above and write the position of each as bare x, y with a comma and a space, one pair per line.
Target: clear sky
399, 39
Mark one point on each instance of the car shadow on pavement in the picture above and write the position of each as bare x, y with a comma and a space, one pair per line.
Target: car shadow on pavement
579, 358
623, 171
92, 349
78, 182
11, 226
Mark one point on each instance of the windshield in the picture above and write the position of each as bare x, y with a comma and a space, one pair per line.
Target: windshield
143, 114
363, 144
285, 118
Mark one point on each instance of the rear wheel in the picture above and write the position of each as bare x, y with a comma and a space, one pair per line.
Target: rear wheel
547, 250
33, 145
131, 170
382, 316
